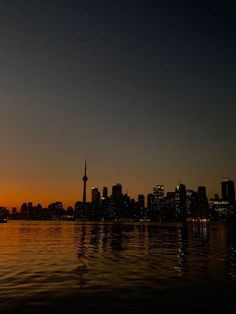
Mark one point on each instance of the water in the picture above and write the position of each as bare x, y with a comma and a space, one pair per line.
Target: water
81, 267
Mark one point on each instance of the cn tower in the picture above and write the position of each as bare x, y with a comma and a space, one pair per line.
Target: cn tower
85, 179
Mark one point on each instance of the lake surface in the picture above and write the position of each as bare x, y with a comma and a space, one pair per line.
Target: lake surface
81, 267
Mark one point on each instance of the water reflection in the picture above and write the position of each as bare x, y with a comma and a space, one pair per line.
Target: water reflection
230, 243
200, 230
129, 259
182, 250
168, 250
81, 271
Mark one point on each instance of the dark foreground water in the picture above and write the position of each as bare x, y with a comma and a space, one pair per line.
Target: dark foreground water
72, 267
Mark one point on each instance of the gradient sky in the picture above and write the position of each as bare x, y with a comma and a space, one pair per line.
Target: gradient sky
145, 89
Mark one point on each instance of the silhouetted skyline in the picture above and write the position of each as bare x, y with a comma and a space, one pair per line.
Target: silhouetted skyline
182, 204
145, 89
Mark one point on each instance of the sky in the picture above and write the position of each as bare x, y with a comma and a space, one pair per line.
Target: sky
144, 89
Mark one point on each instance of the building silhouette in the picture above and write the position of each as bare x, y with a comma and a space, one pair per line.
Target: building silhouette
105, 192
228, 191
85, 179
158, 193
95, 196
117, 192
180, 201
149, 200
141, 200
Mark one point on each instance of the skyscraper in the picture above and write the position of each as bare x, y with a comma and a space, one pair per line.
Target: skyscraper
85, 179
228, 191
203, 205
95, 196
158, 202
117, 192
150, 201
141, 200
105, 192
158, 193
180, 201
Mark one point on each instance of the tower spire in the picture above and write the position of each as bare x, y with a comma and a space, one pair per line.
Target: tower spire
85, 179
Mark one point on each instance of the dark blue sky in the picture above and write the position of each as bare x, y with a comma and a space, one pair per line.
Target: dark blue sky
145, 89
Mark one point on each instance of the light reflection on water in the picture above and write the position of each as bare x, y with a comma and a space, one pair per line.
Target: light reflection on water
115, 267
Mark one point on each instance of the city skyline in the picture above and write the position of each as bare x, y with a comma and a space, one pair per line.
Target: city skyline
182, 204
87, 194
145, 89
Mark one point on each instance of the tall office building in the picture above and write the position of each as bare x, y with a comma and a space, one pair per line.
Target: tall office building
228, 191
180, 201
158, 193
141, 200
202, 197
149, 201
85, 179
203, 205
117, 192
158, 202
201, 190
95, 196
105, 192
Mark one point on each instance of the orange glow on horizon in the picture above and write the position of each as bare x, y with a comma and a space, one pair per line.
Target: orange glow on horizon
15, 195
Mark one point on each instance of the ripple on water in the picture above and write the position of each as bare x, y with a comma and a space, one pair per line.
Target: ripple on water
44, 263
